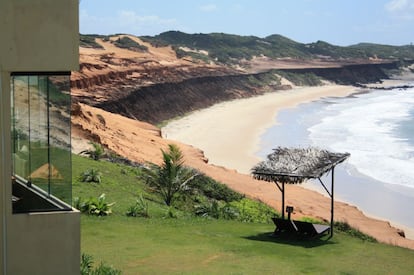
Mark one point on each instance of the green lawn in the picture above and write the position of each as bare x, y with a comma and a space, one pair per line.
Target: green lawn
155, 246
191, 245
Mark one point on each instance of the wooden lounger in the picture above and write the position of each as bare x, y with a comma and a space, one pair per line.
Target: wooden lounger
284, 226
310, 229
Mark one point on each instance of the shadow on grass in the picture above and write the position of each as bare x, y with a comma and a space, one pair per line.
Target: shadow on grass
291, 239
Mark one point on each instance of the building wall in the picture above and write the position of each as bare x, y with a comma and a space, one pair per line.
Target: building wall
41, 35
5, 170
45, 243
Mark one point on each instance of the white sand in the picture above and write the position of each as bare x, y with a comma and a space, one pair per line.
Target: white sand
229, 133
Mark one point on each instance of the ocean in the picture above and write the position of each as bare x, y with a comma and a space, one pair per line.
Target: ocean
377, 128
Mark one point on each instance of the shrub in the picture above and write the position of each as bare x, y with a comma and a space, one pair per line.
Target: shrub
77, 203
86, 264
253, 211
91, 175
346, 228
127, 43
103, 269
208, 209
215, 190
215, 209
88, 41
301, 79
94, 206
96, 153
229, 212
86, 267
171, 213
139, 209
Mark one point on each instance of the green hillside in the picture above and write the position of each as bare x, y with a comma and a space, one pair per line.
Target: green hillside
227, 48
230, 49
173, 240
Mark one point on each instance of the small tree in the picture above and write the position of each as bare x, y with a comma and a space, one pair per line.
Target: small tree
172, 177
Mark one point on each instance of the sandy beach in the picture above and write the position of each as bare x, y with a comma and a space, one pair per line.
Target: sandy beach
229, 133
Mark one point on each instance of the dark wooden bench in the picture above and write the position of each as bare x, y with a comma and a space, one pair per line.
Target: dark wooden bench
311, 230
284, 226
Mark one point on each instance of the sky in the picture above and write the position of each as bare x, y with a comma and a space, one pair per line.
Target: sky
339, 22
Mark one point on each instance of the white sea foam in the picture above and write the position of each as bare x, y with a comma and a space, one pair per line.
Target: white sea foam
368, 127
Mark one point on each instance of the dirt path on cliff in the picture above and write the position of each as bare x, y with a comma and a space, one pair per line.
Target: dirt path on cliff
142, 142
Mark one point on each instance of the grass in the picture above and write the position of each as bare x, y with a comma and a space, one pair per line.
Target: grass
193, 245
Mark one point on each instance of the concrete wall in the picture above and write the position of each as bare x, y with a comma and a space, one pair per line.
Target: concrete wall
5, 170
41, 35
44, 243
36, 35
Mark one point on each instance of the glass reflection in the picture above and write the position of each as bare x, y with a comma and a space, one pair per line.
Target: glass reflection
41, 142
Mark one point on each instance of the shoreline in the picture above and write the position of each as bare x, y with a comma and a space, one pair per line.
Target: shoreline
239, 124
239, 145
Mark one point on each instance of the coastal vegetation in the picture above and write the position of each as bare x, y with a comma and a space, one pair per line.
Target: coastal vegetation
228, 48
127, 43
89, 41
301, 79
231, 49
175, 239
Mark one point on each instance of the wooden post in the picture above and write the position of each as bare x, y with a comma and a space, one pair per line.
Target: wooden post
283, 200
332, 200
282, 190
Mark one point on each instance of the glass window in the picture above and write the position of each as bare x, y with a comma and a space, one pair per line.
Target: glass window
41, 142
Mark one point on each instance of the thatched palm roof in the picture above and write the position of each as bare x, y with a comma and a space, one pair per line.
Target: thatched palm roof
295, 165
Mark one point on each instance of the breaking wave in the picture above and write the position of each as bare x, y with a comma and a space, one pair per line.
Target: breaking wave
377, 128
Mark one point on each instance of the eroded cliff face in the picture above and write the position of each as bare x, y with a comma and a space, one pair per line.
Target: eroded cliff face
164, 101
111, 73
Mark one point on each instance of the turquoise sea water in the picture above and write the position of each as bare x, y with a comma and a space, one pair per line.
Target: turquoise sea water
377, 128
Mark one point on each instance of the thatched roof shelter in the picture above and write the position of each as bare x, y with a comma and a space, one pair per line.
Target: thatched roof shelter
296, 165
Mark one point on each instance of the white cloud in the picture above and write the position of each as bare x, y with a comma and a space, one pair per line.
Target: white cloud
208, 8
396, 5
130, 18
402, 9
125, 22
